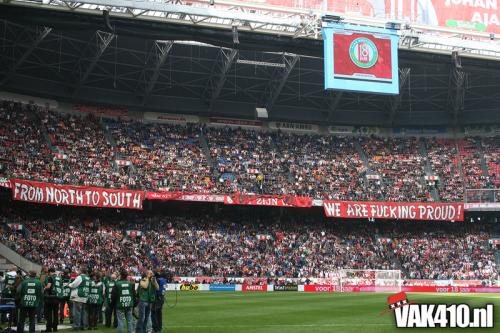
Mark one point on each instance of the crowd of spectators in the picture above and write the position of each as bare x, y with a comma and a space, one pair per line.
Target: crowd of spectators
80, 149
82, 155
249, 161
443, 157
231, 243
471, 164
492, 159
264, 162
166, 157
325, 167
401, 166
438, 255
475, 173
23, 150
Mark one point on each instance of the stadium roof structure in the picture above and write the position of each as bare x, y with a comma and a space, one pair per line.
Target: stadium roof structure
228, 58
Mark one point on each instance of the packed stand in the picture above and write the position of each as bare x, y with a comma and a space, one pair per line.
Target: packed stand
199, 247
325, 167
84, 157
249, 161
469, 152
491, 150
238, 244
462, 255
401, 166
166, 157
73, 149
24, 152
443, 157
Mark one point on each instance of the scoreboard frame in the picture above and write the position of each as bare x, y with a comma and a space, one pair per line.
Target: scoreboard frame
367, 83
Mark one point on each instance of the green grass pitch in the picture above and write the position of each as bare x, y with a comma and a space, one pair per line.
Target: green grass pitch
293, 312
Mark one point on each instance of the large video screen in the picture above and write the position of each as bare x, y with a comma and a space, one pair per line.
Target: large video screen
361, 59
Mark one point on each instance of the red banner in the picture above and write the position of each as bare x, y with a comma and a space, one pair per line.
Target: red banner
362, 54
53, 194
197, 197
449, 289
268, 200
254, 287
4, 182
319, 288
395, 210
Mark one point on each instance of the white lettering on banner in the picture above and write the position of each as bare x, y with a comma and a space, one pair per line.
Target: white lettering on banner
486, 4
333, 209
79, 197
357, 210
137, 202
185, 197
485, 18
70, 195
267, 201
95, 198
394, 210
28, 193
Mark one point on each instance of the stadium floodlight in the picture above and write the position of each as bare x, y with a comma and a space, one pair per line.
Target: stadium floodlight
261, 113
260, 63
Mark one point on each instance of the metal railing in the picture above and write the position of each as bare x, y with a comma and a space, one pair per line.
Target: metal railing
296, 22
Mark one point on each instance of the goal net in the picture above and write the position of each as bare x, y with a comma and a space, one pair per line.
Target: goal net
370, 280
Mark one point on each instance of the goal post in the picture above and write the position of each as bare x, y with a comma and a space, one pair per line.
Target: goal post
370, 279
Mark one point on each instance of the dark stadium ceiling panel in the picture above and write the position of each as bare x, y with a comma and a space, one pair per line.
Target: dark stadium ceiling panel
176, 68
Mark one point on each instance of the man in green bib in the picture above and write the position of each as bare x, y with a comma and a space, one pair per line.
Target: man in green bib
53, 292
95, 300
123, 299
80, 289
110, 310
147, 293
65, 279
30, 297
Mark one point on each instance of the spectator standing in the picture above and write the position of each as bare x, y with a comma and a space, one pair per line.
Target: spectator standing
18, 280
30, 296
156, 314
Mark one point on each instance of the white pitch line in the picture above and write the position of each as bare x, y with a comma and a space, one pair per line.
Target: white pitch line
465, 295
278, 325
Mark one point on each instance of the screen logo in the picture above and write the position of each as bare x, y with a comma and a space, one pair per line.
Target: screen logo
363, 52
